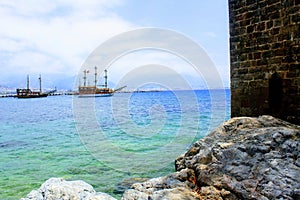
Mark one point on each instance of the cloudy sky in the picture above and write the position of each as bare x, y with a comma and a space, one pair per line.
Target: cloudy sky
54, 38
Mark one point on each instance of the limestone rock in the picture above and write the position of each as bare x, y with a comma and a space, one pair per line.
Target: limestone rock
174, 186
244, 158
126, 184
58, 188
247, 158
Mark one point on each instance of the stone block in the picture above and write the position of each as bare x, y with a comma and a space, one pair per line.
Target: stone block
270, 24
275, 31
296, 18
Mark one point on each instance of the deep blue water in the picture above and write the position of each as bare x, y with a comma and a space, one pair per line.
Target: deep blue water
102, 141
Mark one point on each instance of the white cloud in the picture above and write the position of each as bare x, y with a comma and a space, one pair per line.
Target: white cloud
210, 34
44, 8
33, 62
147, 56
57, 36
156, 65
11, 45
54, 36
27, 8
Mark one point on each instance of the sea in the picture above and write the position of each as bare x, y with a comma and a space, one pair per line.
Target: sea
108, 142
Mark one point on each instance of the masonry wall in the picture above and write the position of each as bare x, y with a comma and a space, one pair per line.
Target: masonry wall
265, 58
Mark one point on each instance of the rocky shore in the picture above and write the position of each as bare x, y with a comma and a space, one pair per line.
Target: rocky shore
244, 158
60, 189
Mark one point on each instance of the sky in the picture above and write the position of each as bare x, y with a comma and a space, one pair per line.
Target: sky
54, 38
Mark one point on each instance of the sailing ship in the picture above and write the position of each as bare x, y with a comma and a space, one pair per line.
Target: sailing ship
94, 90
28, 93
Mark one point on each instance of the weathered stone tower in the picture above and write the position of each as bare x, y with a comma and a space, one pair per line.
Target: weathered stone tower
265, 58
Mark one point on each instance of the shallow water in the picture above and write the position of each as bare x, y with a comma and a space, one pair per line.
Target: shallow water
44, 138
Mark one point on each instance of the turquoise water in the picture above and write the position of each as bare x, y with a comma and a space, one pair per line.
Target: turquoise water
44, 138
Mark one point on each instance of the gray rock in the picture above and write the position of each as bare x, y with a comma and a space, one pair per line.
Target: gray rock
244, 158
249, 158
126, 184
174, 186
58, 188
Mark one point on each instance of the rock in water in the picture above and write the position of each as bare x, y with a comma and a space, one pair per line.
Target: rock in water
58, 188
175, 186
244, 158
126, 184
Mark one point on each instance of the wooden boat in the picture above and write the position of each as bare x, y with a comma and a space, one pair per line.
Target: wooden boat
28, 93
95, 91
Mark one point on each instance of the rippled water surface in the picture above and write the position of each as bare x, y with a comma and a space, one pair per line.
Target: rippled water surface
40, 138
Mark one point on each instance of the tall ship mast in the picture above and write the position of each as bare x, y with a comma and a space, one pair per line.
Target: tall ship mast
94, 90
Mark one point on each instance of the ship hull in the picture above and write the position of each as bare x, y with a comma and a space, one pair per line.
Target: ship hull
27, 93
32, 96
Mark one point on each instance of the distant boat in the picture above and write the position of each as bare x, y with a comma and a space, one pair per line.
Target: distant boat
28, 93
94, 91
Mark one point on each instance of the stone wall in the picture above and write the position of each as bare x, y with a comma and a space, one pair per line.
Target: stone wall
265, 58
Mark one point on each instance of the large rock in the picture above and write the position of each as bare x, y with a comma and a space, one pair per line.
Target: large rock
244, 158
58, 188
176, 186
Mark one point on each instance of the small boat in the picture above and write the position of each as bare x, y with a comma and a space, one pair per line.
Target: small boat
28, 93
95, 91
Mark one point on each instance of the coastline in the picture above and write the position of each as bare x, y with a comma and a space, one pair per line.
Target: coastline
244, 158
